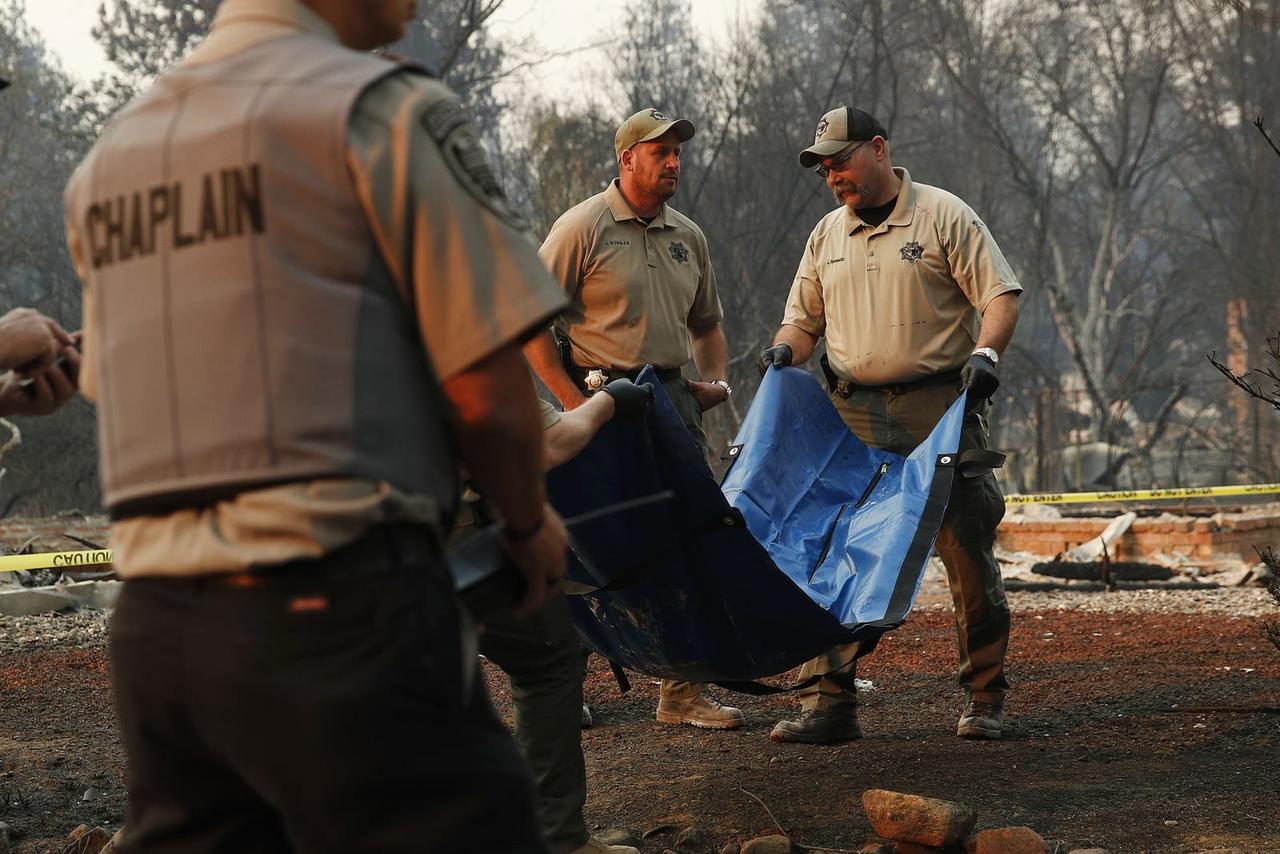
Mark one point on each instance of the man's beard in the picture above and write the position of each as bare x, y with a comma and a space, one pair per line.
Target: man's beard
662, 190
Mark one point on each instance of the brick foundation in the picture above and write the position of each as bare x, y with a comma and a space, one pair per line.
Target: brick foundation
1221, 535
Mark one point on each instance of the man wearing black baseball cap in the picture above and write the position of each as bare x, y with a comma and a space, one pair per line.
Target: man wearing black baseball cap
916, 303
836, 130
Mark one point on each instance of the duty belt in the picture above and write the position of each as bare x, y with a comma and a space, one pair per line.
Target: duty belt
843, 388
594, 379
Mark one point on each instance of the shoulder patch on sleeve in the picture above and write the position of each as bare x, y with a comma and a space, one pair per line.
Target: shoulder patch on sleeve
450, 126
443, 118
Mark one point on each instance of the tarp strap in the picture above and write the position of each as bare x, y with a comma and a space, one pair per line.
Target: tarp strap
976, 462
620, 676
935, 507
732, 455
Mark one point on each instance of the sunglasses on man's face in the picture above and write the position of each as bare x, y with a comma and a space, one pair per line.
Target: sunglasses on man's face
838, 162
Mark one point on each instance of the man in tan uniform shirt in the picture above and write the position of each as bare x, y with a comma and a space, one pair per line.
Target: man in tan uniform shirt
304, 304
641, 291
916, 303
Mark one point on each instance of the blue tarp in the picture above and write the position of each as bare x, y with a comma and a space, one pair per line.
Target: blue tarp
813, 539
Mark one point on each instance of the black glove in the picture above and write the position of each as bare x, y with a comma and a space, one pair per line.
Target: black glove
629, 400
981, 377
779, 355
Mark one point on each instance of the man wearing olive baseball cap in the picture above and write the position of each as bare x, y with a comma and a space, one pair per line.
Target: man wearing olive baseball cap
646, 126
916, 303
642, 292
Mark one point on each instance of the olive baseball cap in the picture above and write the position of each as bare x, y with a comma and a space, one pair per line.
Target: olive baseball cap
646, 125
836, 129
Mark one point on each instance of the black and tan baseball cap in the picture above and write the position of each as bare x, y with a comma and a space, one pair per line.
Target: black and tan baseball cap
646, 125
836, 130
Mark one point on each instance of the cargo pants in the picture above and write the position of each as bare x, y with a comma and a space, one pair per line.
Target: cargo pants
898, 422
546, 663
545, 660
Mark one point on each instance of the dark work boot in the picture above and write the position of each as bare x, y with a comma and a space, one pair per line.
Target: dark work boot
981, 719
815, 726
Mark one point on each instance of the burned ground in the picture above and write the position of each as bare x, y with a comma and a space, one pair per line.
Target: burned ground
1137, 724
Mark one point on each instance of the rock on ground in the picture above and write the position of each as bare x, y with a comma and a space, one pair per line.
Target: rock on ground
911, 818
1008, 840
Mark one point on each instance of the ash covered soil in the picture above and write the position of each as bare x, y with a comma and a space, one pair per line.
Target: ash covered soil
1137, 723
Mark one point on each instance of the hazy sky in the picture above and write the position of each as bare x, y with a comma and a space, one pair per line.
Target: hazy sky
558, 26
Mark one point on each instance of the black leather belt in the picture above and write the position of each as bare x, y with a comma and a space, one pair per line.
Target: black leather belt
843, 388
594, 379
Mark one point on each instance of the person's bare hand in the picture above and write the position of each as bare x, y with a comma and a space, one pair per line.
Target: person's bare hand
540, 559
708, 395
29, 341
44, 392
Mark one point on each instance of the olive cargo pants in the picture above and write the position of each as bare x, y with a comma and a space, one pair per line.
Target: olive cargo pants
545, 660
898, 423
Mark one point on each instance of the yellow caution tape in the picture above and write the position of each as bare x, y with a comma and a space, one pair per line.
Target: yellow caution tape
102, 557
55, 560
1144, 494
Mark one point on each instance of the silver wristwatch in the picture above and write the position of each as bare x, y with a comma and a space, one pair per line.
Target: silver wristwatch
724, 384
989, 353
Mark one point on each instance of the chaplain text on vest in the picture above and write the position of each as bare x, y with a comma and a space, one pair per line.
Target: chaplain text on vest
222, 205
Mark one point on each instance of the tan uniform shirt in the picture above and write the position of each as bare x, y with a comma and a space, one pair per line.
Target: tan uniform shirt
634, 289
475, 284
550, 415
903, 300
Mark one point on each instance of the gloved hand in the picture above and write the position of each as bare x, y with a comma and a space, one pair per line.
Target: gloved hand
629, 400
779, 355
981, 377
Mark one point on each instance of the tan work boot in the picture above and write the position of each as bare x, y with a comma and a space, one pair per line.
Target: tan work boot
981, 719
699, 710
595, 846
815, 726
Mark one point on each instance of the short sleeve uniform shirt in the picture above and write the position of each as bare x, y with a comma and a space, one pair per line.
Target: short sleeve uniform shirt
634, 289
468, 272
903, 300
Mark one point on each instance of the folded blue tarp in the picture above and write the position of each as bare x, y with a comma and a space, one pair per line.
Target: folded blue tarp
813, 539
